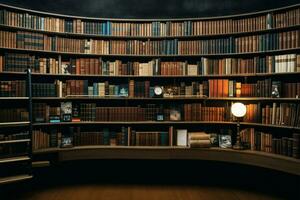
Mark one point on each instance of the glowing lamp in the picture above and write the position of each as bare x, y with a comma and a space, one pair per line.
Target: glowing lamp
238, 110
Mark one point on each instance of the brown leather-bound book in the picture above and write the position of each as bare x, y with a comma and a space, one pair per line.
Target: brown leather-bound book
80, 87
1, 62
86, 65
267, 114
91, 65
263, 116
199, 143
225, 88
238, 89
81, 66
215, 88
186, 112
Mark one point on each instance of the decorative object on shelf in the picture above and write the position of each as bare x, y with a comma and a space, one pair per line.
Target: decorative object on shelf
239, 111
66, 109
225, 141
158, 91
276, 89
170, 91
67, 137
175, 114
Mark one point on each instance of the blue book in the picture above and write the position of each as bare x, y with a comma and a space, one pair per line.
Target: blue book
164, 140
95, 89
151, 92
106, 138
108, 29
116, 90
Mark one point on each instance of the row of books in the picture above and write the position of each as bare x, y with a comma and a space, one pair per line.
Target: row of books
75, 136
262, 88
286, 114
155, 28
90, 112
255, 43
266, 42
268, 64
42, 139
27, 40
103, 137
210, 88
44, 90
9, 150
205, 66
13, 114
14, 136
201, 112
126, 136
261, 141
15, 88
18, 62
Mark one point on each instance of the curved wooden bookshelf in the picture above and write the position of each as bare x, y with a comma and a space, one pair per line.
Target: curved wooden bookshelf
255, 158
247, 157
273, 52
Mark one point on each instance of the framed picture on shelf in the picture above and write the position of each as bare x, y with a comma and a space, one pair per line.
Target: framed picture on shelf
175, 114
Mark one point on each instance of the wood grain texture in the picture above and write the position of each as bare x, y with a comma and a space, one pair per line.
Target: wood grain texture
155, 180
142, 192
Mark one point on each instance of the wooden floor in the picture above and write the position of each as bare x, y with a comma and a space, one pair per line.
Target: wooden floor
140, 192
154, 180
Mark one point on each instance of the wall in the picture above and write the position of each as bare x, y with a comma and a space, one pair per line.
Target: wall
150, 8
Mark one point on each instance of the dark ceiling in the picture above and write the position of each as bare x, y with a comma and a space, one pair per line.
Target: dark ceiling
150, 8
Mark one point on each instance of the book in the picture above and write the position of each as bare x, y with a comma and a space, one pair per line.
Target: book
199, 143
182, 137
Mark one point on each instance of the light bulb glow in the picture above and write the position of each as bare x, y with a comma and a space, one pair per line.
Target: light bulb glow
238, 109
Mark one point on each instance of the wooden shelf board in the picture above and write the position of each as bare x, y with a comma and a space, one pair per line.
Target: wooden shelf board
8, 124
14, 159
16, 178
133, 122
167, 123
37, 164
14, 98
14, 141
167, 98
5, 73
256, 158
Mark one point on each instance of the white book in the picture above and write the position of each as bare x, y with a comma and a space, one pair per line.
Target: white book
182, 136
193, 70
